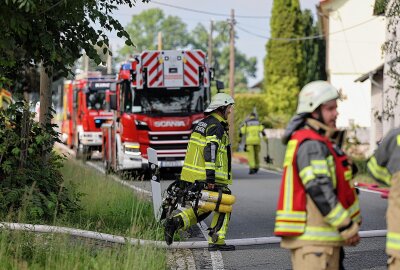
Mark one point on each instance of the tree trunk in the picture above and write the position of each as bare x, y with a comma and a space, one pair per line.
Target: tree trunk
25, 130
45, 115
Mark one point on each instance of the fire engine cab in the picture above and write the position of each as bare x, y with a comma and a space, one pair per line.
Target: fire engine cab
160, 96
85, 112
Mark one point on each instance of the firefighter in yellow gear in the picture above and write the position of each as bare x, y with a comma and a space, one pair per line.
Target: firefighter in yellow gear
208, 158
318, 209
384, 166
253, 130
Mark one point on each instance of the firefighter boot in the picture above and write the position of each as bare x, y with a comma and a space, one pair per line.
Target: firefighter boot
171, 226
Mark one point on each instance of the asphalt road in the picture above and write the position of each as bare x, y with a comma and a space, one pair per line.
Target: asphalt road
253, 216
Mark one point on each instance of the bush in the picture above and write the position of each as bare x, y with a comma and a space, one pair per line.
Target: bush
31, 185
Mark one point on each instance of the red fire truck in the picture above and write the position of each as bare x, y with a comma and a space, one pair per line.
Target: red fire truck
85, 112
160, 95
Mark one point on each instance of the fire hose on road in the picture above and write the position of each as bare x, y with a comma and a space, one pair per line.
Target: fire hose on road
133, 241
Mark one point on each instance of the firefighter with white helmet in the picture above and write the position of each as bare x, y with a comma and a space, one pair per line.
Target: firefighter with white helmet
318, 209
208, 159
384, 166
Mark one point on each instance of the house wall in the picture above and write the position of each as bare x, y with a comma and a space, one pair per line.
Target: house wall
376, 110
354, 40
390, 96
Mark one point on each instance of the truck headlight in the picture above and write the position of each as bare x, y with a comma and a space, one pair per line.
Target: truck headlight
132, 149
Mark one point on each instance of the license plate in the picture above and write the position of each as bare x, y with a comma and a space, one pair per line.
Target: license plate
178, 163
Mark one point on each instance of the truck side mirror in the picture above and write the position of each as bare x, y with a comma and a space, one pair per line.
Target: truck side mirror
212, 73
113, 102
220, 85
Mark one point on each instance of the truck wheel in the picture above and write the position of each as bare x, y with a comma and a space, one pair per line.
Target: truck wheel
79, 151
85, 153
107, 167
88, 154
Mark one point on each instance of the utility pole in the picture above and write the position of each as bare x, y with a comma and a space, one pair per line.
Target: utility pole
109, 62
210, 44
232, 70
85, 63
159, 37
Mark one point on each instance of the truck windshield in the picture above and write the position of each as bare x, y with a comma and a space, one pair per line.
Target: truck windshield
166, 101
95, 99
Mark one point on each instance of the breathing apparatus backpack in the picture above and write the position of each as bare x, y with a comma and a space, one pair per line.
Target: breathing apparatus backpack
195, 195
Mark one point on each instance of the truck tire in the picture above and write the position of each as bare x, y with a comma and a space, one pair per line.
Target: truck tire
107, 167
79, 151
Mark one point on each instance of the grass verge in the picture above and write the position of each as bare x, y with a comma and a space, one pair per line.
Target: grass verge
107, 207
21, 250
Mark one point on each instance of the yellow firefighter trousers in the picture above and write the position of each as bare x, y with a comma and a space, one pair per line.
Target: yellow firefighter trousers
220, 222
315, 258
253, 152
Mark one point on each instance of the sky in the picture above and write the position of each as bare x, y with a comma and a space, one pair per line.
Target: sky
252, 18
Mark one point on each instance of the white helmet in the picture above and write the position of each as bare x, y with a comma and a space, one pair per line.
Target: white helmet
313, 94
219, 100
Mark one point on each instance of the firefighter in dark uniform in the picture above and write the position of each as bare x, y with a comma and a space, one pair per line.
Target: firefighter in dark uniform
384, 166
318, 209
208, 158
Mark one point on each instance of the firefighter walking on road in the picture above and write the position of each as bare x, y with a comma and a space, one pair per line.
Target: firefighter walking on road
318, 209
384, 166
252, 129
208, 159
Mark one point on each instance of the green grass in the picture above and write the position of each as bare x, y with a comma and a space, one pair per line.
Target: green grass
107, 207
21, 250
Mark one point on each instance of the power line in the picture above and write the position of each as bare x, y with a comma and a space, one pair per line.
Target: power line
280, 39
306, 37
51, 7
210, 13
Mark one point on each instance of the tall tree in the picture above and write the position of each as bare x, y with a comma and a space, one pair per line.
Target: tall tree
283, 60
144, 28
313, 66
52, 34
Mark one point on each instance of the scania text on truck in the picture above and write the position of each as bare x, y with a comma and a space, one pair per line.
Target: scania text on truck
159, 97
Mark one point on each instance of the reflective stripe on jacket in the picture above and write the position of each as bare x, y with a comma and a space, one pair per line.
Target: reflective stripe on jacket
293, 207
208, 156
252, 129
384, 166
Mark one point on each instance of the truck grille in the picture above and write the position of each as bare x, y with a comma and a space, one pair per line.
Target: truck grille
169, 135
170, 143
169, 146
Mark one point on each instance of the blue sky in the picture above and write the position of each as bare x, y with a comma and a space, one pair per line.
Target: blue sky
252, 44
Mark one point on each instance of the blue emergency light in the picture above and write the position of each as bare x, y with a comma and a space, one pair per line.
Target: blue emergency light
126, 66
